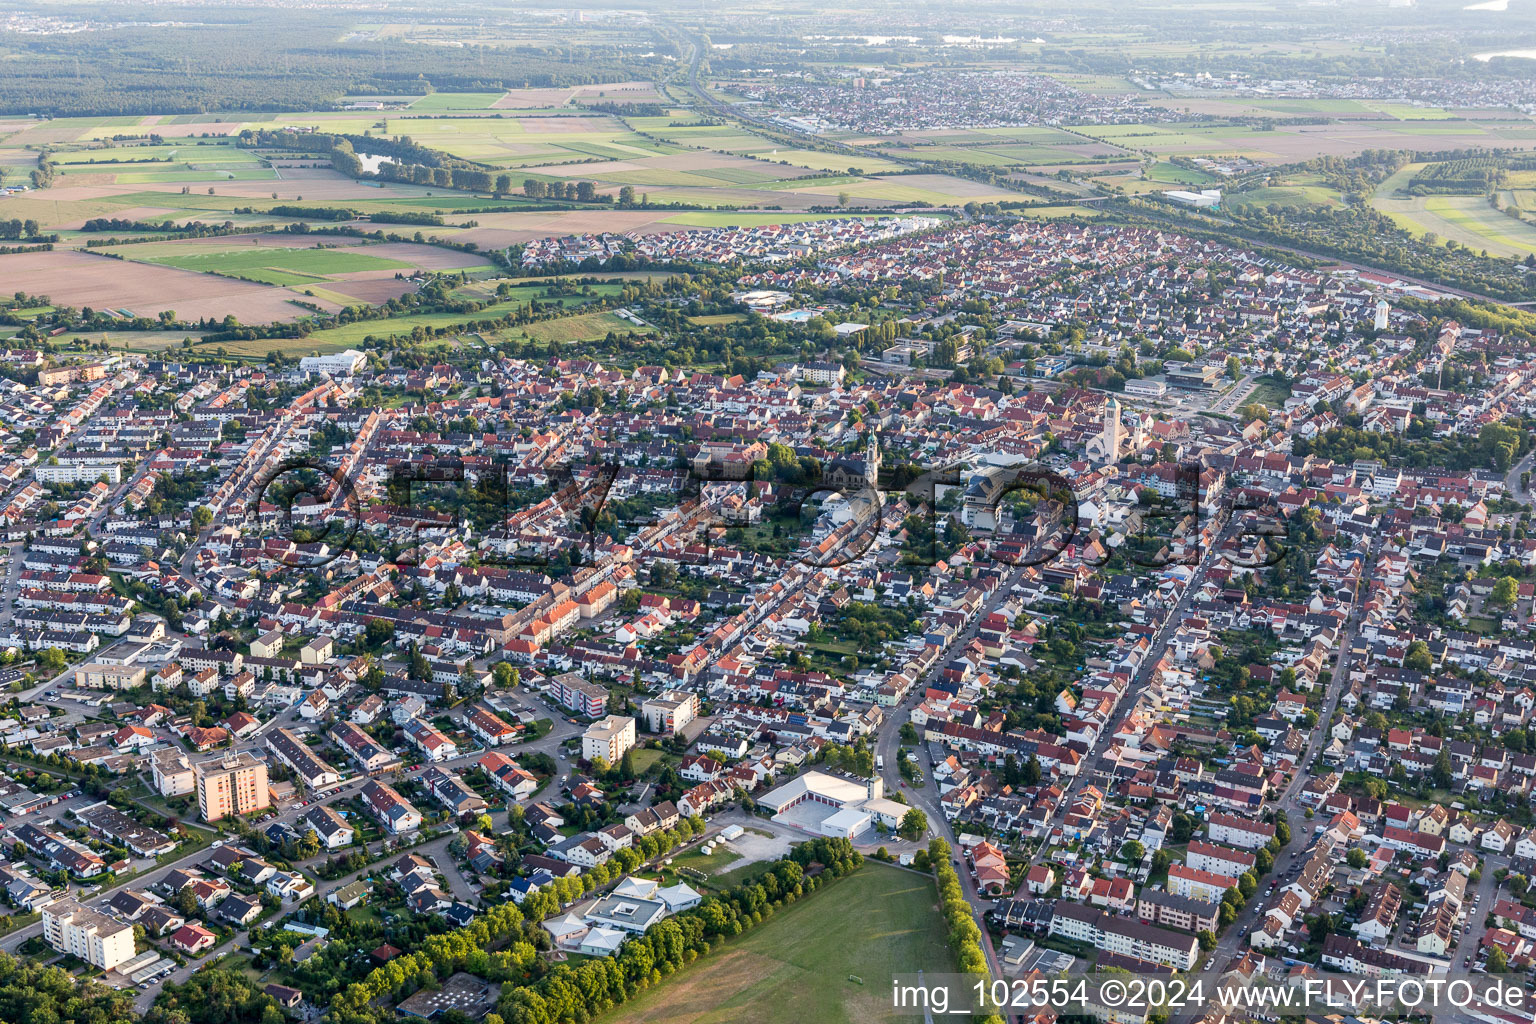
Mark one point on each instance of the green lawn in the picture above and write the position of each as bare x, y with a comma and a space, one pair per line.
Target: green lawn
797, 967
1173, 174
709, 864
1269, 393
645, 757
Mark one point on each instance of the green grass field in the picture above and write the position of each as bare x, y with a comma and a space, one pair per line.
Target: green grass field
582, 327
267, 264
440, 102
1286, 195
1469, 220
1173, 174
710, 864
352, 335
508, 142
1270, 394
797, 967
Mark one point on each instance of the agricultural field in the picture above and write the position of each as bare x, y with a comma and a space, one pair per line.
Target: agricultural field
192, 171
291, 260
266, 264
147, 164
516, 141
1003, 147
1468, 220
1285, 143
76, 278
812, 961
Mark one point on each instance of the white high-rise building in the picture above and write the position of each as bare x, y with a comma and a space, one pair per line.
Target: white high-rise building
95, 938
608, 739
1382, 309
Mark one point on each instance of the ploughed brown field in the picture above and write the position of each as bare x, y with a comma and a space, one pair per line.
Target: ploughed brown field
74, 278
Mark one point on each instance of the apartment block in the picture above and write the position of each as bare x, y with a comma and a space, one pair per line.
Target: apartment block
95, 938
234, 784
579, 695
670, 711
608, 739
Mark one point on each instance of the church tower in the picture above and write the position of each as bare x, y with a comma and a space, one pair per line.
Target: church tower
1110, 438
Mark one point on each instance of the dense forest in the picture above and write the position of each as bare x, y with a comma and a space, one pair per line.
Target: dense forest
247, 59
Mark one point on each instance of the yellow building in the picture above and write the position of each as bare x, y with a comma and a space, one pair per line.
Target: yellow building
234, 784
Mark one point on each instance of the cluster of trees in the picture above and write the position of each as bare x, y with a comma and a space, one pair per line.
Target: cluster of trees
1497, 446
32, 992
571, 994
871, 626
15, 228
214, 996
964, 933
855, 758
1473, 176
533, 188
467, 949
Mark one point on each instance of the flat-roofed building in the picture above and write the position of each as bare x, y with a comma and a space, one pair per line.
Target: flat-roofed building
608, 739
103, 676
579, 695
1124, 935
668, 712
172, 772
233, 784
95, 938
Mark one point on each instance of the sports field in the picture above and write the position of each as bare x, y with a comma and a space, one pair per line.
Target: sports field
812, 962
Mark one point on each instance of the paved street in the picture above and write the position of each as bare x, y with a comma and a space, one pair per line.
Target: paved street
1234, 939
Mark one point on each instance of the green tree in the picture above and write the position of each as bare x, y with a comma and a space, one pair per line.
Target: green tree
1032, 771
913, 824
